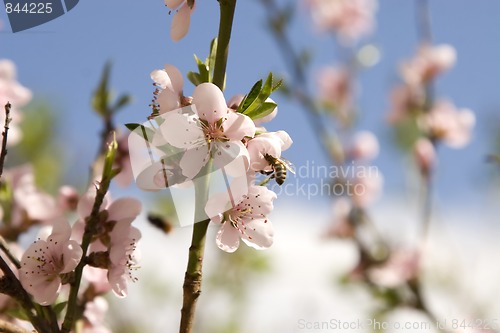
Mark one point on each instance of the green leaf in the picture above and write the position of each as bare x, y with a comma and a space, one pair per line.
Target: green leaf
250, 98
195, 78
101, 96
203, 69
211, 58
264, 94
123, 101
263, 110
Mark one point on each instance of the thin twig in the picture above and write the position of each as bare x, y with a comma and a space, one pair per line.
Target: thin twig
3, 153
5, 248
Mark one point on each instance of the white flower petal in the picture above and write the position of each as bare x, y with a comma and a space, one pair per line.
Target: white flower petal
161, 78
173, 3
258, 233
176, 78
124, 208
228, 238
180, 23
226, 152
237, 126
72, 253
217, 204
181, 131
168, 100
210, 103
194, 160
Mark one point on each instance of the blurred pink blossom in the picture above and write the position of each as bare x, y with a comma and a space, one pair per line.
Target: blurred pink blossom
125, 177
68, 198
94, 315
404, 100
28, 199
334, 85
425, 155
349, 19
341, 226
45, 260
429, 62
13, 92
401, 267
367, 187
447, 123
246, 220
364, 146
182, 18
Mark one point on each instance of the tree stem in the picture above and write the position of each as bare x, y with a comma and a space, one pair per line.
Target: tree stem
193, 277
227, 8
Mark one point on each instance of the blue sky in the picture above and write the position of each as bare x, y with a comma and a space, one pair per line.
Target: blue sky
61, 62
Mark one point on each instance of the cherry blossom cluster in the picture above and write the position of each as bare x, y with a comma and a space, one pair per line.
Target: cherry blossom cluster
349, 19
438, 119
218, 133
98, 252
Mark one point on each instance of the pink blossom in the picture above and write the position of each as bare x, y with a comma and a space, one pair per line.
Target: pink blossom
182, 18
429, 62
13, 92
425, 155
364, 146
98, 277
213, 132
367, 187
122, 161
404, 100
350, 19
170, 82
245, 219
38, 205
94, 316
334, 85
124, 257
445, 122
269, 143
342, 226
401, 267
114, 235
68, 198
45, 260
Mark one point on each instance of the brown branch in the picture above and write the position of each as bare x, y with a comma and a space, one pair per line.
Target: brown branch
3, 153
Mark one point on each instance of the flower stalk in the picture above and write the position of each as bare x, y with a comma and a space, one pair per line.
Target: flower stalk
93, 219
193, 277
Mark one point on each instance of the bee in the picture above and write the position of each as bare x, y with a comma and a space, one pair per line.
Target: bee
280, 167
160, 223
